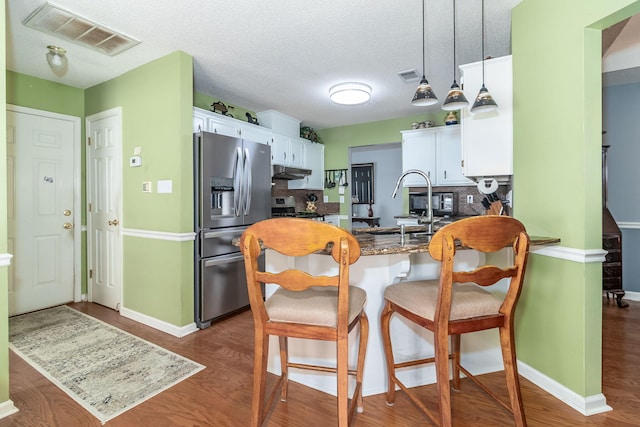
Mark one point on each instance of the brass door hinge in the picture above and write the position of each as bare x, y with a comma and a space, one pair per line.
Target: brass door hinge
89, 141
91, 274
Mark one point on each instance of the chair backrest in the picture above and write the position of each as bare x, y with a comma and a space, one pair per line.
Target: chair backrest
487, 233
297, 237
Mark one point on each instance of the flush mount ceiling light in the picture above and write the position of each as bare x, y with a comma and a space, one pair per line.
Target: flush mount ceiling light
56, 57
484, 102
455, 98
350, 93
424, 94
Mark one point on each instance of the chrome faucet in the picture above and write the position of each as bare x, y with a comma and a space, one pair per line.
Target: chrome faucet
429, 219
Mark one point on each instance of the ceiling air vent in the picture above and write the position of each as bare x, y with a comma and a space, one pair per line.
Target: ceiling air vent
67, 25
409, 76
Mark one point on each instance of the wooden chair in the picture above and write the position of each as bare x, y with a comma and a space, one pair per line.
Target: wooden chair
305, 306
456, 304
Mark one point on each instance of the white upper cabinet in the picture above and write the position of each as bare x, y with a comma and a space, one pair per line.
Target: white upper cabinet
256, 133
209, 121
435, 151
419, 152
314, 160
487, 138
223, 125
287, 151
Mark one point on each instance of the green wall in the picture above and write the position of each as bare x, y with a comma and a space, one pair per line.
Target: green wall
338, 140
4, 281
557, 180
156, 101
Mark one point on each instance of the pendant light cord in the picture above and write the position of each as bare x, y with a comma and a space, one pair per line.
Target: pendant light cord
454, 40
482, 42
423, 54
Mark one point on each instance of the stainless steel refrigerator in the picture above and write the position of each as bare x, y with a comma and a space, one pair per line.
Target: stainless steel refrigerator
232, 191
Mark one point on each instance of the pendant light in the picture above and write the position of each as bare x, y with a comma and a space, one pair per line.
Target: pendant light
424, 94
455, 98
484, 102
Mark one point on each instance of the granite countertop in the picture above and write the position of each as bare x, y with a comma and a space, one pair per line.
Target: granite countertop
386, 240
372, 242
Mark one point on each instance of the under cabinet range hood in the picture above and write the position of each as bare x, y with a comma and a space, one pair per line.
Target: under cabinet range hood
289, 172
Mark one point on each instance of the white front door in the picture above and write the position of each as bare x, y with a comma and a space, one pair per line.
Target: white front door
104, 216
42, 210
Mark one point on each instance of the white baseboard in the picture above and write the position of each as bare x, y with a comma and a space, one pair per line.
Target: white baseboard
632, 296
7, 408
161, 325
589, 405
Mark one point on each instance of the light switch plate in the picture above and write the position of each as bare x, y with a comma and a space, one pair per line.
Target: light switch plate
146, 187
165, 186
325, 199
341, 199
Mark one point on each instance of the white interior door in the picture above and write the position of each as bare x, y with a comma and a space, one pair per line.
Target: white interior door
42, 208
104, 213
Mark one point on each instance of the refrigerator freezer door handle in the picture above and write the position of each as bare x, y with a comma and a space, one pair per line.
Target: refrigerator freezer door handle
237, 182
247, 183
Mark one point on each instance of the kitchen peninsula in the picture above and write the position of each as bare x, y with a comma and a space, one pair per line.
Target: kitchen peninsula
385, 260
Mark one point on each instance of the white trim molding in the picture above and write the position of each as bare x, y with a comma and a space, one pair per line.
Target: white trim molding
629, 225
570, 254
161, 325
7, 408
589, 405
5, 260
632, 296
160, 235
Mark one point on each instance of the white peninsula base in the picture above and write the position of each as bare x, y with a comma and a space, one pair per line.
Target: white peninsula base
481, 350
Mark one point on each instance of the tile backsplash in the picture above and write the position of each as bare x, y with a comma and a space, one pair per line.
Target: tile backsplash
279, 189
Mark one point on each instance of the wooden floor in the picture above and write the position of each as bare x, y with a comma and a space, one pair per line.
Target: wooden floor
220, 395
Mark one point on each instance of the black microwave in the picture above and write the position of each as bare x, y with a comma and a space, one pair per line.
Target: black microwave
443, 203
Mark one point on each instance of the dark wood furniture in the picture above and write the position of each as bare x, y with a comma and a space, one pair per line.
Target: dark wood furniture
612, 267
456, 304
611, 242
305, 306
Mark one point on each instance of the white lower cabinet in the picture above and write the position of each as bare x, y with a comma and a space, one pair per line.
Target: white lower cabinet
435, 151
332, 219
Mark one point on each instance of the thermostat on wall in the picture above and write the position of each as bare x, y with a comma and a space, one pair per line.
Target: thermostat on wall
135, 161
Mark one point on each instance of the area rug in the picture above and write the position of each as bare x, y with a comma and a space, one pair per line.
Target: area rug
104, 369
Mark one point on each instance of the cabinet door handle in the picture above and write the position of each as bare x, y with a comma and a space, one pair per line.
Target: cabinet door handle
445, 174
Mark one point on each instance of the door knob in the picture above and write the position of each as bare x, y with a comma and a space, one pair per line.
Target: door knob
66, 212
67, 226
114, 222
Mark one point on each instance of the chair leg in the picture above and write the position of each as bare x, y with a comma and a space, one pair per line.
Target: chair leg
455, 350
342, 373
362, 351
261, 353
507, 344
385, 320
284, 367
441, 346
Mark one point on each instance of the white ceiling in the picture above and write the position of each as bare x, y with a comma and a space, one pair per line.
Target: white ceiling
282, 55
